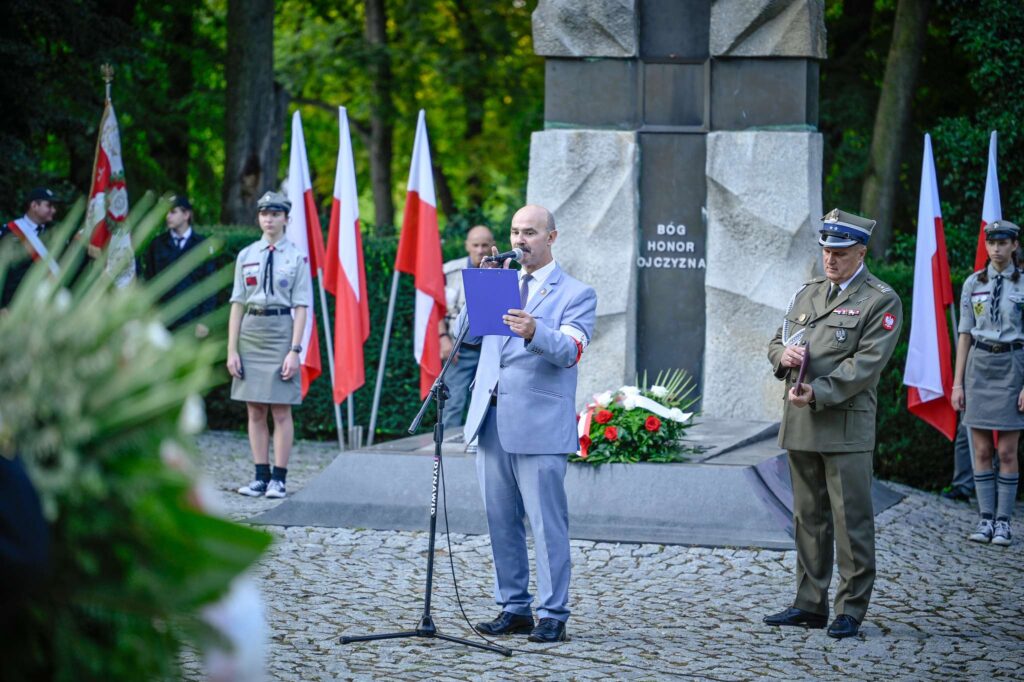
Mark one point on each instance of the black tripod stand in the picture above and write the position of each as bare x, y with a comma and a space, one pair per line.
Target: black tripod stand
426, 627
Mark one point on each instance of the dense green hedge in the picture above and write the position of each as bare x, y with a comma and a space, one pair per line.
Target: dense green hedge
908, 449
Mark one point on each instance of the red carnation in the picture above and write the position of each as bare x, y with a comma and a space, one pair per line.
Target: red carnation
611, 433
652, 424
603, 416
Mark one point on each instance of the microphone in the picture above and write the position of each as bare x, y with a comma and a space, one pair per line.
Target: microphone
514, 254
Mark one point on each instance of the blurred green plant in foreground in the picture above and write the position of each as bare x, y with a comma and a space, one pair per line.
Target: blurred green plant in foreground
102, 404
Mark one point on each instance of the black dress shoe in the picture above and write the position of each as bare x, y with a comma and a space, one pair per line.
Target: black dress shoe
797, 617
844, 626
957, 494
548, 630
506, 624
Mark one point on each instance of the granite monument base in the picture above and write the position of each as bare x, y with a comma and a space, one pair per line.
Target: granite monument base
735, 493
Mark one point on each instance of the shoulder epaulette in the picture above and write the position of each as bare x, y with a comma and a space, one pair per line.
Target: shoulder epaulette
815, 280
881, 286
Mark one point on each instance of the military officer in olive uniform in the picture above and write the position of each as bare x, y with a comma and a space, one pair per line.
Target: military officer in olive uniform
846, 324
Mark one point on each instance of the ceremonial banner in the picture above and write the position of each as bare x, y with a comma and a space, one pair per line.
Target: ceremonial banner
419, 254
992, 208
108, 197
304, 231
929, 368
345, 274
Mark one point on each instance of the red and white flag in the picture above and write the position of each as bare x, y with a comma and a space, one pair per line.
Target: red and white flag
929, 369
344, 272
304, 232
108, 201
419, 254
108, 195
992, 209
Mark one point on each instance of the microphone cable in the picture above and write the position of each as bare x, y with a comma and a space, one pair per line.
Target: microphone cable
550, 650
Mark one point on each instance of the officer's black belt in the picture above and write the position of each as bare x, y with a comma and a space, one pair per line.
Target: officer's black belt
998, 347
267, 312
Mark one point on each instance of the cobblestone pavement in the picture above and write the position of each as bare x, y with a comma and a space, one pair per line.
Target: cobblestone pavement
943, 607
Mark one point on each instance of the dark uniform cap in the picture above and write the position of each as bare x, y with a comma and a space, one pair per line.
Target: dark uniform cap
181, 201
41, 194
842, 230
1001, 229
274, 201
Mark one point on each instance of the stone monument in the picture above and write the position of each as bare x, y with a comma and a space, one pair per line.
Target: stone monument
681, 160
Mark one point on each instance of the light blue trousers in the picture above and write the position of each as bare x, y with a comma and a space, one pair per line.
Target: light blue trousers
515, 486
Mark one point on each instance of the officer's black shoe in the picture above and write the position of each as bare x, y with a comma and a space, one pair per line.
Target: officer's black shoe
506, 624
844, 626
797, 617
548, 630
957, 494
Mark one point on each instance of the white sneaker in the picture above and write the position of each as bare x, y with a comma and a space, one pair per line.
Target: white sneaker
254, 489
984, 531
275, 489
1002, 535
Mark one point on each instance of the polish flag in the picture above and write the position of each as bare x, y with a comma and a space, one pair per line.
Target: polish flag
992, 209
419, 254
929, 369
304, 232
344, 272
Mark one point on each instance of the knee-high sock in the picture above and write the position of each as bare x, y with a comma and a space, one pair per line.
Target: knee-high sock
1007, 485
985, 489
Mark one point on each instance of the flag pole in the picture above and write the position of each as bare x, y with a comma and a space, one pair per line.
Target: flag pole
383, 359
350, 406
330, 356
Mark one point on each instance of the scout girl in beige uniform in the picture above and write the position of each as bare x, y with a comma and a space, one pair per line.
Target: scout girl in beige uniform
989, 381
269, 303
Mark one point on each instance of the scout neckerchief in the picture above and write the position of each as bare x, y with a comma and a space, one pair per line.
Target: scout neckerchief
28, 232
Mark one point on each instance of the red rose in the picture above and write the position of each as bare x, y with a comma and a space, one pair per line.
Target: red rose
603, 416
611, 433
652, 424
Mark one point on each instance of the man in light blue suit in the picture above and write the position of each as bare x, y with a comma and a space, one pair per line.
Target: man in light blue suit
523, 410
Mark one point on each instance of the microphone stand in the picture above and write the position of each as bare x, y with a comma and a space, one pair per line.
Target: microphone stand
426, 628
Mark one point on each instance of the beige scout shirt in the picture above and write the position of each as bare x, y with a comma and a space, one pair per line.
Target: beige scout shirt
977, 300
454, 293
850, 341
293, 286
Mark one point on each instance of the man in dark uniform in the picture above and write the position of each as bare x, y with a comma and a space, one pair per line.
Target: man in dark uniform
32, 231
168, 247
846, 325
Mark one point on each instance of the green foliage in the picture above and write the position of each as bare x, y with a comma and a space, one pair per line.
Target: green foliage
621, 430
102, 403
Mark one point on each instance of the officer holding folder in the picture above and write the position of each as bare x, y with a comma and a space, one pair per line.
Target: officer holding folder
845, 325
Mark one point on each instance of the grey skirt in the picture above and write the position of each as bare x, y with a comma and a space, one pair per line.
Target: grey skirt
263, 343
992, 383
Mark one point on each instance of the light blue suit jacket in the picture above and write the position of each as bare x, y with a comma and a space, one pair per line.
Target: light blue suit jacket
535, 381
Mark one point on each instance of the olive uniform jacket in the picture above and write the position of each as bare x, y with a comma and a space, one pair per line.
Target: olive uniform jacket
849, 341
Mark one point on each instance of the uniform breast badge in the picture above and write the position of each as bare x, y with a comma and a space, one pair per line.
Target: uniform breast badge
840, 335
979, 308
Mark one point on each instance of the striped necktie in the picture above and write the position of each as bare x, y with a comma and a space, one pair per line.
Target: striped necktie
997, 293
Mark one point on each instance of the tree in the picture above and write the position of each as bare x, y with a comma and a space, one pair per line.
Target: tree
892, 119
255, 112
382, 111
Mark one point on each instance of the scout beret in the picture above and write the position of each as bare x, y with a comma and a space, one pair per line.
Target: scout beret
840, 230
1001, 229
274, 201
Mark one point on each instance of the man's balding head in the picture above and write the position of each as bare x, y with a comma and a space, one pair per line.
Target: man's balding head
479, 241
533, 231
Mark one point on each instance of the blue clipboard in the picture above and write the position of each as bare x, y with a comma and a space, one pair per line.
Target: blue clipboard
490, 294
